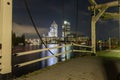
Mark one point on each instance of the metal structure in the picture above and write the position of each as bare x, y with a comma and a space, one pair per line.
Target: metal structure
47, 57
5, 42
5, 36
6, 31
98, 10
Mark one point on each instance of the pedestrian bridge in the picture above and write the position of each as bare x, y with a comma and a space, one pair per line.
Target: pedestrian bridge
79, 68
100, 65
104, 66
68, 49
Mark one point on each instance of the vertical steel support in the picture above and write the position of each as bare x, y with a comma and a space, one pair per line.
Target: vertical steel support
109, 43
95, 18
93, 33
5, 35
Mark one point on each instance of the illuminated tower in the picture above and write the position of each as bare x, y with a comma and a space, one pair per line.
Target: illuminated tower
65, 29
53, 30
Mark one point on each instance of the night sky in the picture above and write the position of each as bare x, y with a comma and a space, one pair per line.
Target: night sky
44, 12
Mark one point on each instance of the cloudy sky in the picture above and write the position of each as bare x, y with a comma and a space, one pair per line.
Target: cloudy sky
44, 12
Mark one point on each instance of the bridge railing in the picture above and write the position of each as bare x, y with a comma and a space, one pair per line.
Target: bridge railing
66, 51
83, 48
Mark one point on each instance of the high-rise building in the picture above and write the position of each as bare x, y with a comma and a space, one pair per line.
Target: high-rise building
66, 29
53, 30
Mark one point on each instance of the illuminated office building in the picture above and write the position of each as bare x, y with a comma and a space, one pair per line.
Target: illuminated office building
53, 30
66, 29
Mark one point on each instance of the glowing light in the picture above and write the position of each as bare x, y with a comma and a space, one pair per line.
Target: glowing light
65, 22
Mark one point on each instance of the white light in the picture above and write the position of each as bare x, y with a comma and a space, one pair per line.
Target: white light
65, 22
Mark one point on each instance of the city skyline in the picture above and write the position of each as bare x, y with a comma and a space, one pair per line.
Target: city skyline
45, 11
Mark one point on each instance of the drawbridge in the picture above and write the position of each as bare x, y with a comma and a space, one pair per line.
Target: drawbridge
98, 10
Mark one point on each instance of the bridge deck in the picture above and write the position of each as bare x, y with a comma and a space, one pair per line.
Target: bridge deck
81, 68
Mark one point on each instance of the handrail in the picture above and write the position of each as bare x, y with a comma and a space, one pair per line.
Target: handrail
47, 57
82, 45
39, 50
109, 4
37, 60
82, 51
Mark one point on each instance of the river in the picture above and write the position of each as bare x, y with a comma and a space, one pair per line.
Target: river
16, 71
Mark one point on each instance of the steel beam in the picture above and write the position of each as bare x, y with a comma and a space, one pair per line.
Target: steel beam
100, 13
99, 6
101, 10
95, 18
92, 2
93, 34
108, 15
5, 35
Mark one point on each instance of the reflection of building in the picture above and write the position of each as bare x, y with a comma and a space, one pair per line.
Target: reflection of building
53, 30
65, 29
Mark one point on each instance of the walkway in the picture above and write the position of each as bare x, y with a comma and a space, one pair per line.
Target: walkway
81, 68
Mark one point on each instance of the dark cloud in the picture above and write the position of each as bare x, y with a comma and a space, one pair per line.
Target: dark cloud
44, 12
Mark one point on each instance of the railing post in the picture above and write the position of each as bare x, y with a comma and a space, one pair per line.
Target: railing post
5, 38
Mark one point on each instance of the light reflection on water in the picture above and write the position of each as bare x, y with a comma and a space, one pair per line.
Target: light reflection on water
54, 60
41, 64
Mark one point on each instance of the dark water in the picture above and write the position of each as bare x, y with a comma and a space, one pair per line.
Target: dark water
18, 71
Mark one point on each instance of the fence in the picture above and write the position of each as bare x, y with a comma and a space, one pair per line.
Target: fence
47, 57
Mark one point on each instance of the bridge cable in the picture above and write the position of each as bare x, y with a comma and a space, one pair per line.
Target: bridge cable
34, 25
76, 15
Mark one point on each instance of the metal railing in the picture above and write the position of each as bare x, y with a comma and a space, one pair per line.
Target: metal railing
84, 50
40, 59
47, 57
40, 50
